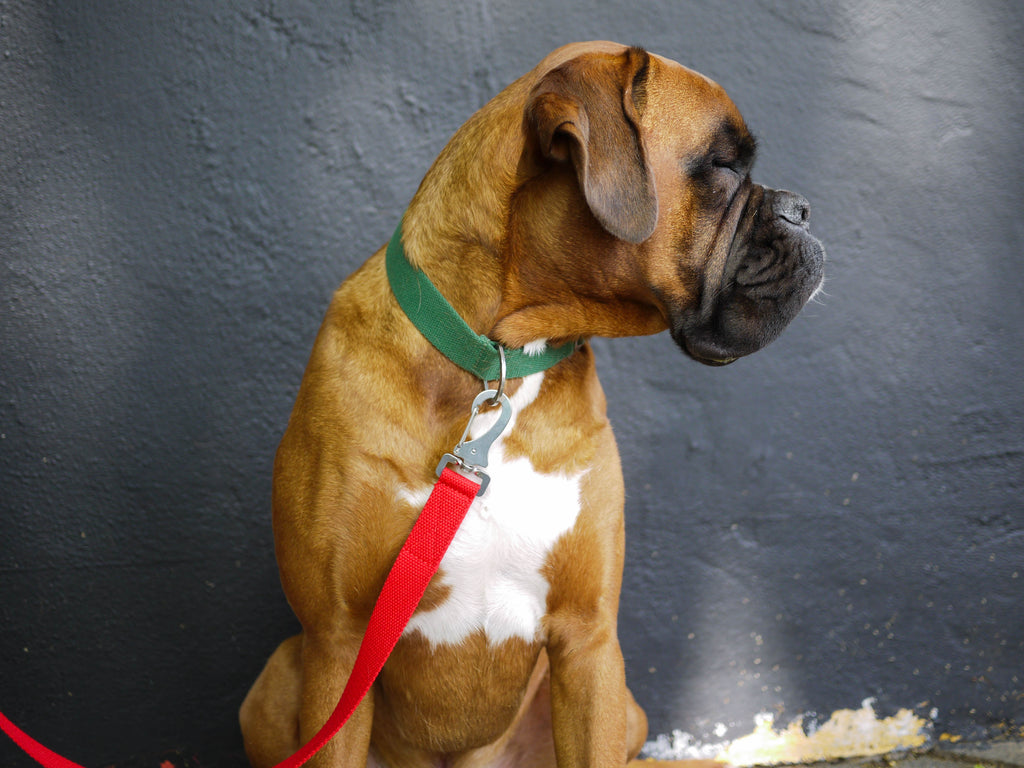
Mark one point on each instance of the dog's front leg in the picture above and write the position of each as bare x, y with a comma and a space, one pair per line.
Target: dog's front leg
588, 698
327, 661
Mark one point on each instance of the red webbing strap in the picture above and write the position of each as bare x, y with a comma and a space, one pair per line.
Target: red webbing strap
33, 748
416, 564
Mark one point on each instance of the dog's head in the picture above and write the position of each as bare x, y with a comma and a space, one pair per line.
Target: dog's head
637, 212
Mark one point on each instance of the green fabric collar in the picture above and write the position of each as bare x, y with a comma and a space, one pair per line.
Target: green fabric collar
442, 326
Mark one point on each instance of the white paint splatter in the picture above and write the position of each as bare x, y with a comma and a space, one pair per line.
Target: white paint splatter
847, 733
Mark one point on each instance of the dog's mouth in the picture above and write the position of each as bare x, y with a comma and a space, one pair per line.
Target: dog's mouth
714, 362
772, 267
700, 340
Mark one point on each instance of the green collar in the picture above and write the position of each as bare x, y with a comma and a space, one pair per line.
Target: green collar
442, 326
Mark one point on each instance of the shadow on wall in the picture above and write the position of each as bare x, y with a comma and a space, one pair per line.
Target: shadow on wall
783, 573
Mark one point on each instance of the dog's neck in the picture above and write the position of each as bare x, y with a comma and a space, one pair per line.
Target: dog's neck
450, 229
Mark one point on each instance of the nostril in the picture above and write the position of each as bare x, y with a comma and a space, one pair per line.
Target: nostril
793, 208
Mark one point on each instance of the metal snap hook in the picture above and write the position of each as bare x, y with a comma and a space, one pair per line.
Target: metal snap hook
471, 455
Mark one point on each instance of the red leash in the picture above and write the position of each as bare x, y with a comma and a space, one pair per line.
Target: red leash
35, 750
434, 529
416, 564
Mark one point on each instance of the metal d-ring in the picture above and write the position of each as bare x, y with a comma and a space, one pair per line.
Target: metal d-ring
501, 376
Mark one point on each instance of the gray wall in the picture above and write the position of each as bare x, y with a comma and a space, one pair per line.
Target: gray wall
182, 185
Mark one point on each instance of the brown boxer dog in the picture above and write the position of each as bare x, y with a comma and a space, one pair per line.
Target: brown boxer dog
606, 193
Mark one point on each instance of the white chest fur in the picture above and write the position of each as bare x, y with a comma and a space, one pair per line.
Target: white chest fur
493, 567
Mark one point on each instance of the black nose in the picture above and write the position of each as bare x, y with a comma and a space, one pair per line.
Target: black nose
792, 207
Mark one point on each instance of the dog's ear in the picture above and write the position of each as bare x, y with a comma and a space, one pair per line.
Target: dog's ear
587, 111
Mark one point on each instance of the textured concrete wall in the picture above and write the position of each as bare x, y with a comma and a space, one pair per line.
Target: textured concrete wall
182, 185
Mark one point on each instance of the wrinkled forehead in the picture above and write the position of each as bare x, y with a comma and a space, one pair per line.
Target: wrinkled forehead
685, 107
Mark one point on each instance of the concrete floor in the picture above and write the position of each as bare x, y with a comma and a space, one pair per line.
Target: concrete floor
1003, 754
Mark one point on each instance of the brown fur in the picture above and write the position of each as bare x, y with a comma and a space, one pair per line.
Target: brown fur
558, 211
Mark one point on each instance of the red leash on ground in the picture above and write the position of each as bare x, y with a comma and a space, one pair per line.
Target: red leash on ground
416, 564
35, 750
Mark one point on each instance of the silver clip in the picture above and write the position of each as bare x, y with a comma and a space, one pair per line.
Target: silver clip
471, 455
